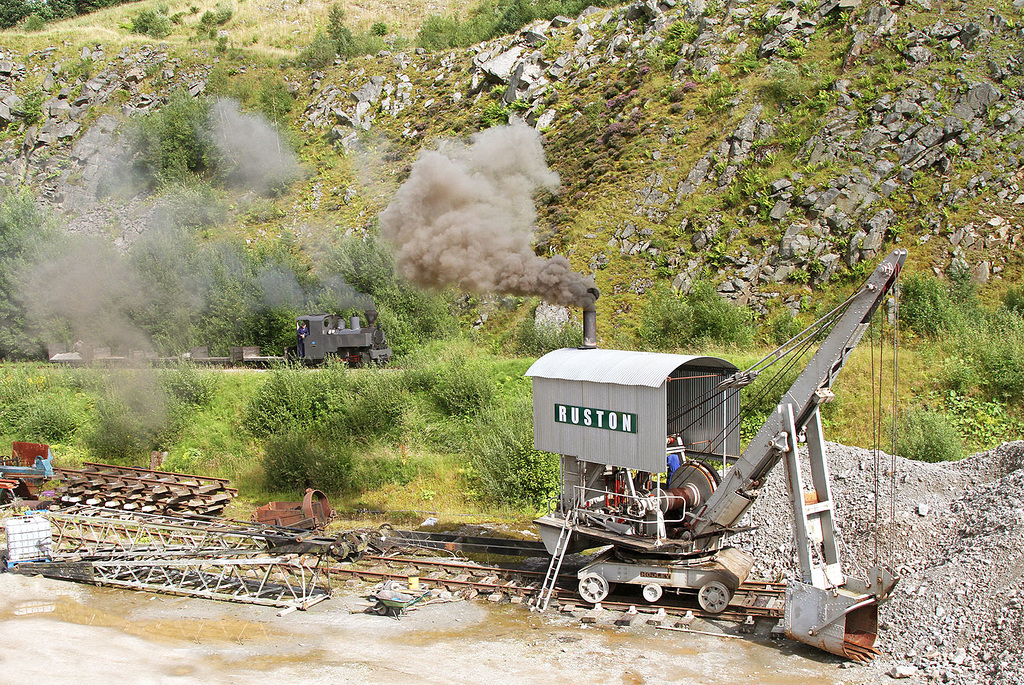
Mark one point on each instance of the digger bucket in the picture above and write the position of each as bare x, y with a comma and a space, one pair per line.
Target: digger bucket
841, 622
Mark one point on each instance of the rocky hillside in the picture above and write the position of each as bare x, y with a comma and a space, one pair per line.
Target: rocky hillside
770, 149
953, 536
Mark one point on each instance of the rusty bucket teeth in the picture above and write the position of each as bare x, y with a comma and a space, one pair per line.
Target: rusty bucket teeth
859, 651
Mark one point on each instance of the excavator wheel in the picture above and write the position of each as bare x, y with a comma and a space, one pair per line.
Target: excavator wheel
652, 593
714, 597
594, 587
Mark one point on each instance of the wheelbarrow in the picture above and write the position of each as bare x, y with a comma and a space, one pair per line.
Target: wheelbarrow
393, 603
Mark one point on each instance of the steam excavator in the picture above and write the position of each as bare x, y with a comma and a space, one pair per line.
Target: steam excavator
666, 531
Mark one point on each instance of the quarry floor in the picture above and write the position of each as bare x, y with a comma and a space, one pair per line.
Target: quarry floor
58, 632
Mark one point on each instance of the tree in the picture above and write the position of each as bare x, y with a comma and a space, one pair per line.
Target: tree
23, 227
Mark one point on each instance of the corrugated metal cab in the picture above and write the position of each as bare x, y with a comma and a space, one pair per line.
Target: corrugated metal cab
617, 407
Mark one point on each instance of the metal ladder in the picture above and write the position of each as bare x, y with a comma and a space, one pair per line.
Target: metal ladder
551, 577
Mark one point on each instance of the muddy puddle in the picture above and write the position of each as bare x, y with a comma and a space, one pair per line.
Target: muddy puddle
64, 609
117, 636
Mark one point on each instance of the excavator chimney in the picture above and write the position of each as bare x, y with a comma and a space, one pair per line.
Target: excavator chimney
590, 321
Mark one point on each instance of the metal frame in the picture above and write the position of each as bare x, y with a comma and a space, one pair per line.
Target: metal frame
91, 530
267, 581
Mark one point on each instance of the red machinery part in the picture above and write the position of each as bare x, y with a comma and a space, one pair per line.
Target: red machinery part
316, 506
313, 511
27, 452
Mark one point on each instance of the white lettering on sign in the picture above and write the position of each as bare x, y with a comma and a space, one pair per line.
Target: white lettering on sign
619, 421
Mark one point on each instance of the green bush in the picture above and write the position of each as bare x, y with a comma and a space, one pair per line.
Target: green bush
284, 400
533, 341
273, 99
126, 430
377, 406
189, 385
379, 29
293, 461
364, 44
958, 374
788, 84
926, 306
42, 404
24, 230
49, 418
441, 33
337, 31
997, 346
700, 318
1013, 300
962, 286
339, 40
459, 387
982, 423
509, 468
293, 398
665, 322
782, 328
926, 435
13, 11
192, 206
410, 317
515, 14
153, 22
32, 106
174, 144
211, 19
17, 383
718, 320
33, 23
319, 53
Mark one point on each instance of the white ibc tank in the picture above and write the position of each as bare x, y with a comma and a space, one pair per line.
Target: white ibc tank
28, 538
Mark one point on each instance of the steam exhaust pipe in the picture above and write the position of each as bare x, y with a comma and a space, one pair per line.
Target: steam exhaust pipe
590, 321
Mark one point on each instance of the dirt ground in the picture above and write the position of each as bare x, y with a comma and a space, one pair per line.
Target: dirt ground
57, 632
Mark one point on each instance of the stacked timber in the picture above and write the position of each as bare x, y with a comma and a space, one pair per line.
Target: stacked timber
144, 490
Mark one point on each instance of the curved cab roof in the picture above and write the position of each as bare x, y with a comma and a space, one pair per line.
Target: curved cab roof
618, 367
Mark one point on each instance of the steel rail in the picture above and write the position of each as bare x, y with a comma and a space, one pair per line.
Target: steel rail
759, 599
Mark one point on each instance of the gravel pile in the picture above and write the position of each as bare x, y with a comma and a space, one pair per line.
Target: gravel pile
957, 543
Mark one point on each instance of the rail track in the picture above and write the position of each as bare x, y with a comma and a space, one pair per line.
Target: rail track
756, 599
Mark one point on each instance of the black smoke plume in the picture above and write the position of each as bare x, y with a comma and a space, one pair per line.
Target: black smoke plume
465, 216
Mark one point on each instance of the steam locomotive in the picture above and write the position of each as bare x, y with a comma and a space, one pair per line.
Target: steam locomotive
325, 337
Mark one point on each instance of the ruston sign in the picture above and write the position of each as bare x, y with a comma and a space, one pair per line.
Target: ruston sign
607, 419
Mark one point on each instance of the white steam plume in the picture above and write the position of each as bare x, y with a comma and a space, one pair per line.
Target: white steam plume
251, 148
